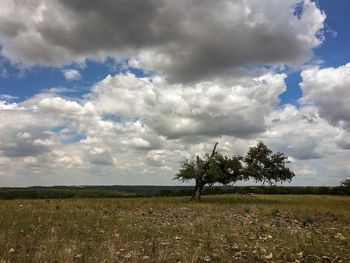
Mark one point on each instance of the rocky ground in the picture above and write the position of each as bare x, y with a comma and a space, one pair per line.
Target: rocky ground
231, 228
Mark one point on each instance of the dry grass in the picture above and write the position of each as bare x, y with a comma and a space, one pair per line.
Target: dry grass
227, 228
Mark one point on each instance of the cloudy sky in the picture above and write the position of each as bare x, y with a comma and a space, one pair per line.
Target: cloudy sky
120, 91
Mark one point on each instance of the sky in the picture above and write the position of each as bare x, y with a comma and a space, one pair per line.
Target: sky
120, 92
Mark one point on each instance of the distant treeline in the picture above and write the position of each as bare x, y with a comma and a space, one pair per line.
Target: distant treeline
62, 192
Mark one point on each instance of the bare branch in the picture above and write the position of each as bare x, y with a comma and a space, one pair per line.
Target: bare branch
211, 157
213, 152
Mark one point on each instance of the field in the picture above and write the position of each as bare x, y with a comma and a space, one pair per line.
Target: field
223, 228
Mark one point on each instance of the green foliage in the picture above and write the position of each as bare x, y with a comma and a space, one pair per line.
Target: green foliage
221, 169
187, 171
263, 165
259, 164
224, 170
345, 183
160, 191
275, 212
56, 193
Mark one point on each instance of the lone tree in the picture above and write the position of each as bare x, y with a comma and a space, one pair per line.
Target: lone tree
261, 165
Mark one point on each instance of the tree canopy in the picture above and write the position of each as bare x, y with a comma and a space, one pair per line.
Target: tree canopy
265, 166
345, 183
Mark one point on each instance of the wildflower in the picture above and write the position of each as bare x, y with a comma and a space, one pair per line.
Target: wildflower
339, 236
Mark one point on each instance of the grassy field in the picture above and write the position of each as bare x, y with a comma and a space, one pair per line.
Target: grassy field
225, 228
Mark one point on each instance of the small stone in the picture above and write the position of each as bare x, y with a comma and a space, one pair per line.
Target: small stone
12, 250
207, 259
325, 258
269, 256
78, 256
127, 255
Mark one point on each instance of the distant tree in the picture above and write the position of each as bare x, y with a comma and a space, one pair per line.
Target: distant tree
262, 165
345, 183
213, 168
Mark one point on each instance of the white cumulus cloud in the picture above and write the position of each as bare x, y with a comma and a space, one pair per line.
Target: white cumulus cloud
71, 74
328, 89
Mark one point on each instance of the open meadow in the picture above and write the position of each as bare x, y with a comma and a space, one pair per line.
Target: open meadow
223, 228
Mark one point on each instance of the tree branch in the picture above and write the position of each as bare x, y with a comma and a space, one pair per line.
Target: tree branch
210, 157
199, 168
213, 152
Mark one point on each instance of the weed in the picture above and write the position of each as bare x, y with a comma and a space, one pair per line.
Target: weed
275, 212
307, 221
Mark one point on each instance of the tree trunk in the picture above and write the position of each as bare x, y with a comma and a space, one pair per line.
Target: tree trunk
196, 195
201, 170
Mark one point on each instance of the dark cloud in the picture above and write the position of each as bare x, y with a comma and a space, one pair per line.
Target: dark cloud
186, 40
205, 124
103, 25
344, 145
101, 158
